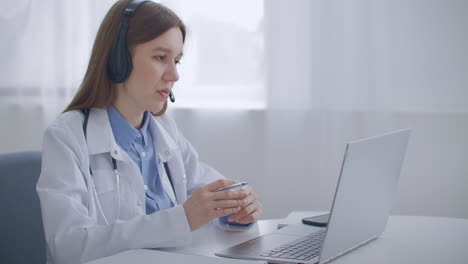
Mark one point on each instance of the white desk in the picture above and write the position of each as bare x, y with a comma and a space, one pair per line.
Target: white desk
407, 239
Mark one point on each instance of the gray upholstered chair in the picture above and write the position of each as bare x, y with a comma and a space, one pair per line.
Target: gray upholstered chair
21, 231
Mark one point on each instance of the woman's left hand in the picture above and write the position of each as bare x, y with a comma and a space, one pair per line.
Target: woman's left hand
251, 211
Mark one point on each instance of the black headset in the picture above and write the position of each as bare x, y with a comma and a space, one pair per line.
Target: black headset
119, 64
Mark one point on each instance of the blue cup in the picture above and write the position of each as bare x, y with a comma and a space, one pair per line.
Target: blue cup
224, 220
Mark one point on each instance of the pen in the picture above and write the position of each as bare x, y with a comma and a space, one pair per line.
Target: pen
233, 187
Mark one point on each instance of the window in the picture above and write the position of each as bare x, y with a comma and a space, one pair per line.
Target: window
49, 44
223, 64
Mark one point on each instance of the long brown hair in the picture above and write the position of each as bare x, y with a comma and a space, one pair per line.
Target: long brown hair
149, 21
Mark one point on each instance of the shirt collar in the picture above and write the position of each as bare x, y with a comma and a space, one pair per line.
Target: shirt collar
124, 133
145, 128
101, 139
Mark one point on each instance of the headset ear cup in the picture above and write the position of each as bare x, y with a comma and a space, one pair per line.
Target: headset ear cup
119, 63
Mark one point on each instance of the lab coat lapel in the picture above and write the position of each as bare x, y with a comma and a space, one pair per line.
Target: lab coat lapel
100, 136
101, 139
166, 151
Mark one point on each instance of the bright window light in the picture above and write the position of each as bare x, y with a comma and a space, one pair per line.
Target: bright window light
223, 64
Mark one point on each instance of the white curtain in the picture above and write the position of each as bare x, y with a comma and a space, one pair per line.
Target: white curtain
45, 49
47, 45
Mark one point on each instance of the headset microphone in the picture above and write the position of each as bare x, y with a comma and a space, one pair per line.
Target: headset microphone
171, 97
119, 64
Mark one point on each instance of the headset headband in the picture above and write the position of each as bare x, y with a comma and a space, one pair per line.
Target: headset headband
119, 64
132, 7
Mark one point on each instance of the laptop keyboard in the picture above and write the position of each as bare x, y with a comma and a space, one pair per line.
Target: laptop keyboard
304, 248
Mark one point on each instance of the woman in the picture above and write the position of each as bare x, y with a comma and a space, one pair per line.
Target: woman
116, 172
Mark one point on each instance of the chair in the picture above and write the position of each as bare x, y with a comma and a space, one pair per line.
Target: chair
21, 231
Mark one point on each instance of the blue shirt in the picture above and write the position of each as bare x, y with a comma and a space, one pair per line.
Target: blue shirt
139, 145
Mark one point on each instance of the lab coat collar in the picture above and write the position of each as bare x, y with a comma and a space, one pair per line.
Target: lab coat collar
100, 137
124, 133
165, 143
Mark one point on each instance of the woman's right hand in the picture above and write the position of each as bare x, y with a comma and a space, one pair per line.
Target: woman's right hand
205, 204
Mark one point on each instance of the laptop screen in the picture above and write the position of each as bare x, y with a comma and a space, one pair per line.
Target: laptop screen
365, 192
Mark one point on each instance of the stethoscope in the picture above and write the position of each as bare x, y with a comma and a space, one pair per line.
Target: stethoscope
116, 173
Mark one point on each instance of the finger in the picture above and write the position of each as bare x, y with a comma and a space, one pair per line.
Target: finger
250, 204
254, 216
243, 212
248, 189
251, 198
229, 204
226, 211
250, 218
248, 200
245, 198
219, 184
229, 195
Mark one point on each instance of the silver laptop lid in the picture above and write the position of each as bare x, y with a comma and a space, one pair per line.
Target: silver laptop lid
371, 166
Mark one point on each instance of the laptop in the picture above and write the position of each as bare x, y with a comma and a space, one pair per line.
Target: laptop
359, 213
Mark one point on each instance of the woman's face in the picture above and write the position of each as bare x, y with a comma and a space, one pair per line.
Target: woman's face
154, 72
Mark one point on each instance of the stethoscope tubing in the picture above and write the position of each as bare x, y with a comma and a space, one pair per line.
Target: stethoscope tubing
116, 173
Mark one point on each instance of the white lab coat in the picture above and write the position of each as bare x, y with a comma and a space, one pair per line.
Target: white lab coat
74, 227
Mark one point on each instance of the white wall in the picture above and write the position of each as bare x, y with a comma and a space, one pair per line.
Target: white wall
298, 168
338, 71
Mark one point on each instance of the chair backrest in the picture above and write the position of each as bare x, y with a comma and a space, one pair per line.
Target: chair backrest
21, 231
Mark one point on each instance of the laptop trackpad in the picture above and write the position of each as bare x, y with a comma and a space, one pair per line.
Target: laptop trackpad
257, 246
